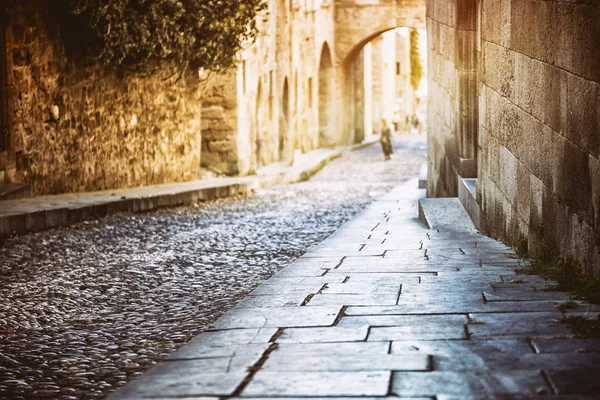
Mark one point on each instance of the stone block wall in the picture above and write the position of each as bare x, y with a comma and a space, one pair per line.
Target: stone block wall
220, 124
443, 140
539, 174
534, 66
80, 128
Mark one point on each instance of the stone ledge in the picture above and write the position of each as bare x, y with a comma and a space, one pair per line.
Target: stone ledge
467, 196
444, 213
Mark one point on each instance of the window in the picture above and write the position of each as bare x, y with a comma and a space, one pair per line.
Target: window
398, 69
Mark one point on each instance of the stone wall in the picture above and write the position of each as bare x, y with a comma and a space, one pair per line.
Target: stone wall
220, 124
540, 125
537, 123
75, 128
442, 109
269, 108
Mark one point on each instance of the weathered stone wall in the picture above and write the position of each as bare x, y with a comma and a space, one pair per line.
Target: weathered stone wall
75, 128
539, 174
270, 107
443, 93
357, 22
538, 118
220, 124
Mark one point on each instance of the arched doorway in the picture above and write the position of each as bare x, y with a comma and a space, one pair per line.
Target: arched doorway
378, 82
284, 119
326, 107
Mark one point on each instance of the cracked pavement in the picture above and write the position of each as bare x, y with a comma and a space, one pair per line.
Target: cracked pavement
87, 308
389, 308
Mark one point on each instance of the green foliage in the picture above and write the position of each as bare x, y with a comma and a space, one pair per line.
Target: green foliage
568, 305
416, 68
569, 275
144, 35
582, 326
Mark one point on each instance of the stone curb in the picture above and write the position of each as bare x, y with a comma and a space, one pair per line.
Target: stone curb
64, 210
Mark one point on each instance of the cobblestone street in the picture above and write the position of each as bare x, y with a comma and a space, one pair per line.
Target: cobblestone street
86, 308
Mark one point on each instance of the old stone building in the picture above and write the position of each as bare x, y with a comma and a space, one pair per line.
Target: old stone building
515, 103
69, 127
302, 85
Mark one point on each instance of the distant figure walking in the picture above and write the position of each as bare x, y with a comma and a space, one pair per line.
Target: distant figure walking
386, 140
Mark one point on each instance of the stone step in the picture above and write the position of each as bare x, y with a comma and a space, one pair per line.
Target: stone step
467, 196
445, 213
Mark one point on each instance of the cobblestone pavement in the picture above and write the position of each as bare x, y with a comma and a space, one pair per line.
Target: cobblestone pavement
88, 307
386, 308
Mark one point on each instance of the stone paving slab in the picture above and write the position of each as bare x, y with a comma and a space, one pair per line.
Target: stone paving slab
566, 345
350, 299
181, 379
336, 348
367, 383
357, 288
531, 325
408, 321
292, 299
331, 325
234, 337
480, 384
348, 363
437, 332
277, 317
197, 351
269, 289
323, 335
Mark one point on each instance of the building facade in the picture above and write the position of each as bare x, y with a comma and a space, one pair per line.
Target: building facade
514, 102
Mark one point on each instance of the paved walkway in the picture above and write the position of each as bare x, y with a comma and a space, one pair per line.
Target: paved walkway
387, 308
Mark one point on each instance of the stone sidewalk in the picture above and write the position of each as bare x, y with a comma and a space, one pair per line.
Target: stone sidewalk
388, 308
45, 212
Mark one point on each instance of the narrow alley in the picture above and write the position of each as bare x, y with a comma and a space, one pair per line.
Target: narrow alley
93, 305
197, 199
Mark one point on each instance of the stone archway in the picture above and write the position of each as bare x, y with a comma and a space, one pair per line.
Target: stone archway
284, 119
356, 24
370, 79
326, 105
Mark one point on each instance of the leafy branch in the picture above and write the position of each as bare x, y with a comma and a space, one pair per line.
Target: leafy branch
145, 35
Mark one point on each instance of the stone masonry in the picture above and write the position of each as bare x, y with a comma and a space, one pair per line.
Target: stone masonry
388, 308
515, 91
73, 127
297, 85
79, 128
